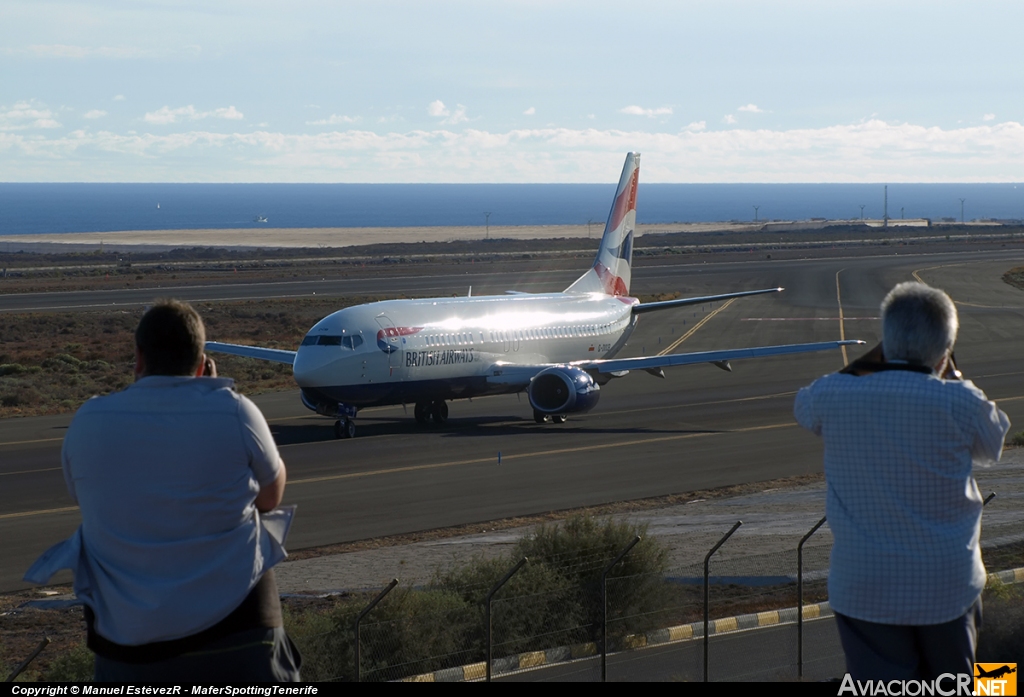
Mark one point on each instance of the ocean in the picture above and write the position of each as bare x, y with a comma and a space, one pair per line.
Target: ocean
61, 208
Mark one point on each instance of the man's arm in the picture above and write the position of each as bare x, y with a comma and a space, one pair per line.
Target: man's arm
266, 464
992, 425
271, 494
803, 410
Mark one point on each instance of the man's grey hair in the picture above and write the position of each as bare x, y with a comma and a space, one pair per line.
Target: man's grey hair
919, 324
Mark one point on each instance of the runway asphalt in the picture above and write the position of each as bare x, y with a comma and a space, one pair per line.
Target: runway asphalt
699, 428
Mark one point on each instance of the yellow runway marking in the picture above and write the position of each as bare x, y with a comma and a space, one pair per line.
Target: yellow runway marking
842, 325
26, 442
697, 326
917, 276
539, 453
45, 469
25, 514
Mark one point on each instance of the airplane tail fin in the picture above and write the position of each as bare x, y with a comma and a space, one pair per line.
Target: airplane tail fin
611, 270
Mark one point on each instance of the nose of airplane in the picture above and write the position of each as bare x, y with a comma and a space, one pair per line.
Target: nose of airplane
310, 366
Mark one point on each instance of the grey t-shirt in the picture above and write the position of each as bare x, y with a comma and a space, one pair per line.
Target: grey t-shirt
166, 473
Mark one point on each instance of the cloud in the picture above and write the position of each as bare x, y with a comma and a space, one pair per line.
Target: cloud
696, 126
752, 108
166, 115
228, 113
119, 97
530, 112
26, 114
903, 152
729, 118
95, 114
988, 117
634, 110
437, 108
333, 120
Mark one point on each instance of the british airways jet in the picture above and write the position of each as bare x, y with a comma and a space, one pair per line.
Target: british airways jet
557, 347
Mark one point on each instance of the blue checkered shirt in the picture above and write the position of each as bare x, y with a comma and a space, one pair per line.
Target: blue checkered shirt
904, 509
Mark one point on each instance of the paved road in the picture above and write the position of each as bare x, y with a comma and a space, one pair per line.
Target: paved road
768, 654
699, 428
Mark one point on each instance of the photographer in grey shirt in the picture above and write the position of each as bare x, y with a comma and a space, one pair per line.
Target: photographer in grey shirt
176, 477
902, 432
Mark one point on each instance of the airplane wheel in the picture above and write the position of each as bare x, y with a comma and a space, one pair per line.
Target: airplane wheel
439, 412
558, 418
345, 429
539, 416
422, 412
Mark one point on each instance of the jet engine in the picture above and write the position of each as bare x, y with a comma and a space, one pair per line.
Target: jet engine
563, 390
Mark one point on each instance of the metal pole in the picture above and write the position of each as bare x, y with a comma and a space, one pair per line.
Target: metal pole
988, 498
366, 610
487, 603
707, 593
962, 210
800, 598
24, 664
604, 607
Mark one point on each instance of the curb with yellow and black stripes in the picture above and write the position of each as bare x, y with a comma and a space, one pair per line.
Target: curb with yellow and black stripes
683, 632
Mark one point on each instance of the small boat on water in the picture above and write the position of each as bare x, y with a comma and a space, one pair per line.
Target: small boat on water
158, 206
260, 219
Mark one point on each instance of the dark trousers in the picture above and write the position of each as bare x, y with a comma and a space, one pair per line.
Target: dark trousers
909, 652
254, 655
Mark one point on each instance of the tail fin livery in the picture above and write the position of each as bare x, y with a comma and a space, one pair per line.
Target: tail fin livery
611, 271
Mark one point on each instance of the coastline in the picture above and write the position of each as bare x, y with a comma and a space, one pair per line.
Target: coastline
268, 237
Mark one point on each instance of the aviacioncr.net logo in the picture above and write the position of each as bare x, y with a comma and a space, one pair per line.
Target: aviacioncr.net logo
946, 685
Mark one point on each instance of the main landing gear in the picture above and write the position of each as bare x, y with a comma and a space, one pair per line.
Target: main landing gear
431, 411
540, 417
345, 428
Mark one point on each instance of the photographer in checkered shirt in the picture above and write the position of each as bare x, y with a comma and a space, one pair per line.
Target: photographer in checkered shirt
902, 432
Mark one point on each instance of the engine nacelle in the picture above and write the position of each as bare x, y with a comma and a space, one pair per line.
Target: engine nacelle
563, 390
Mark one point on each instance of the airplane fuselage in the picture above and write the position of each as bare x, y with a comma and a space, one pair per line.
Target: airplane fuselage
405, 351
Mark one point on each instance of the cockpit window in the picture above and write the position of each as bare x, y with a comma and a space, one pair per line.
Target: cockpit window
349, 342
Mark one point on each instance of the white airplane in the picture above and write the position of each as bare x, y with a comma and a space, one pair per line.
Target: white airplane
558, 347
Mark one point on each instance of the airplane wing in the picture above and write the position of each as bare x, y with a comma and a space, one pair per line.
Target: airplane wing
265, 354
510, 373
615, 365
681, 302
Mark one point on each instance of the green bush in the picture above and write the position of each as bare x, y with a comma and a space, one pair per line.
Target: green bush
554, 600
1016, 440
75, 665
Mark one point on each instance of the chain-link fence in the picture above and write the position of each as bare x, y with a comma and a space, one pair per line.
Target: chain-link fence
574, 615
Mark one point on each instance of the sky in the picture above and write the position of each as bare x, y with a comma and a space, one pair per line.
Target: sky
511, 91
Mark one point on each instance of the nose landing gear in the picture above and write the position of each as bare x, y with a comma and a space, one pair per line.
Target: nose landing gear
345, 428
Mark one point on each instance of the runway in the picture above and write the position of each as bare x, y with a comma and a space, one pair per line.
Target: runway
699, 428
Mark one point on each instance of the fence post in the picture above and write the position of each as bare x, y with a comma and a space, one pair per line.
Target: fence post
707, 593
487, 603
366, 610
800, 598
32, 657
604, 607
